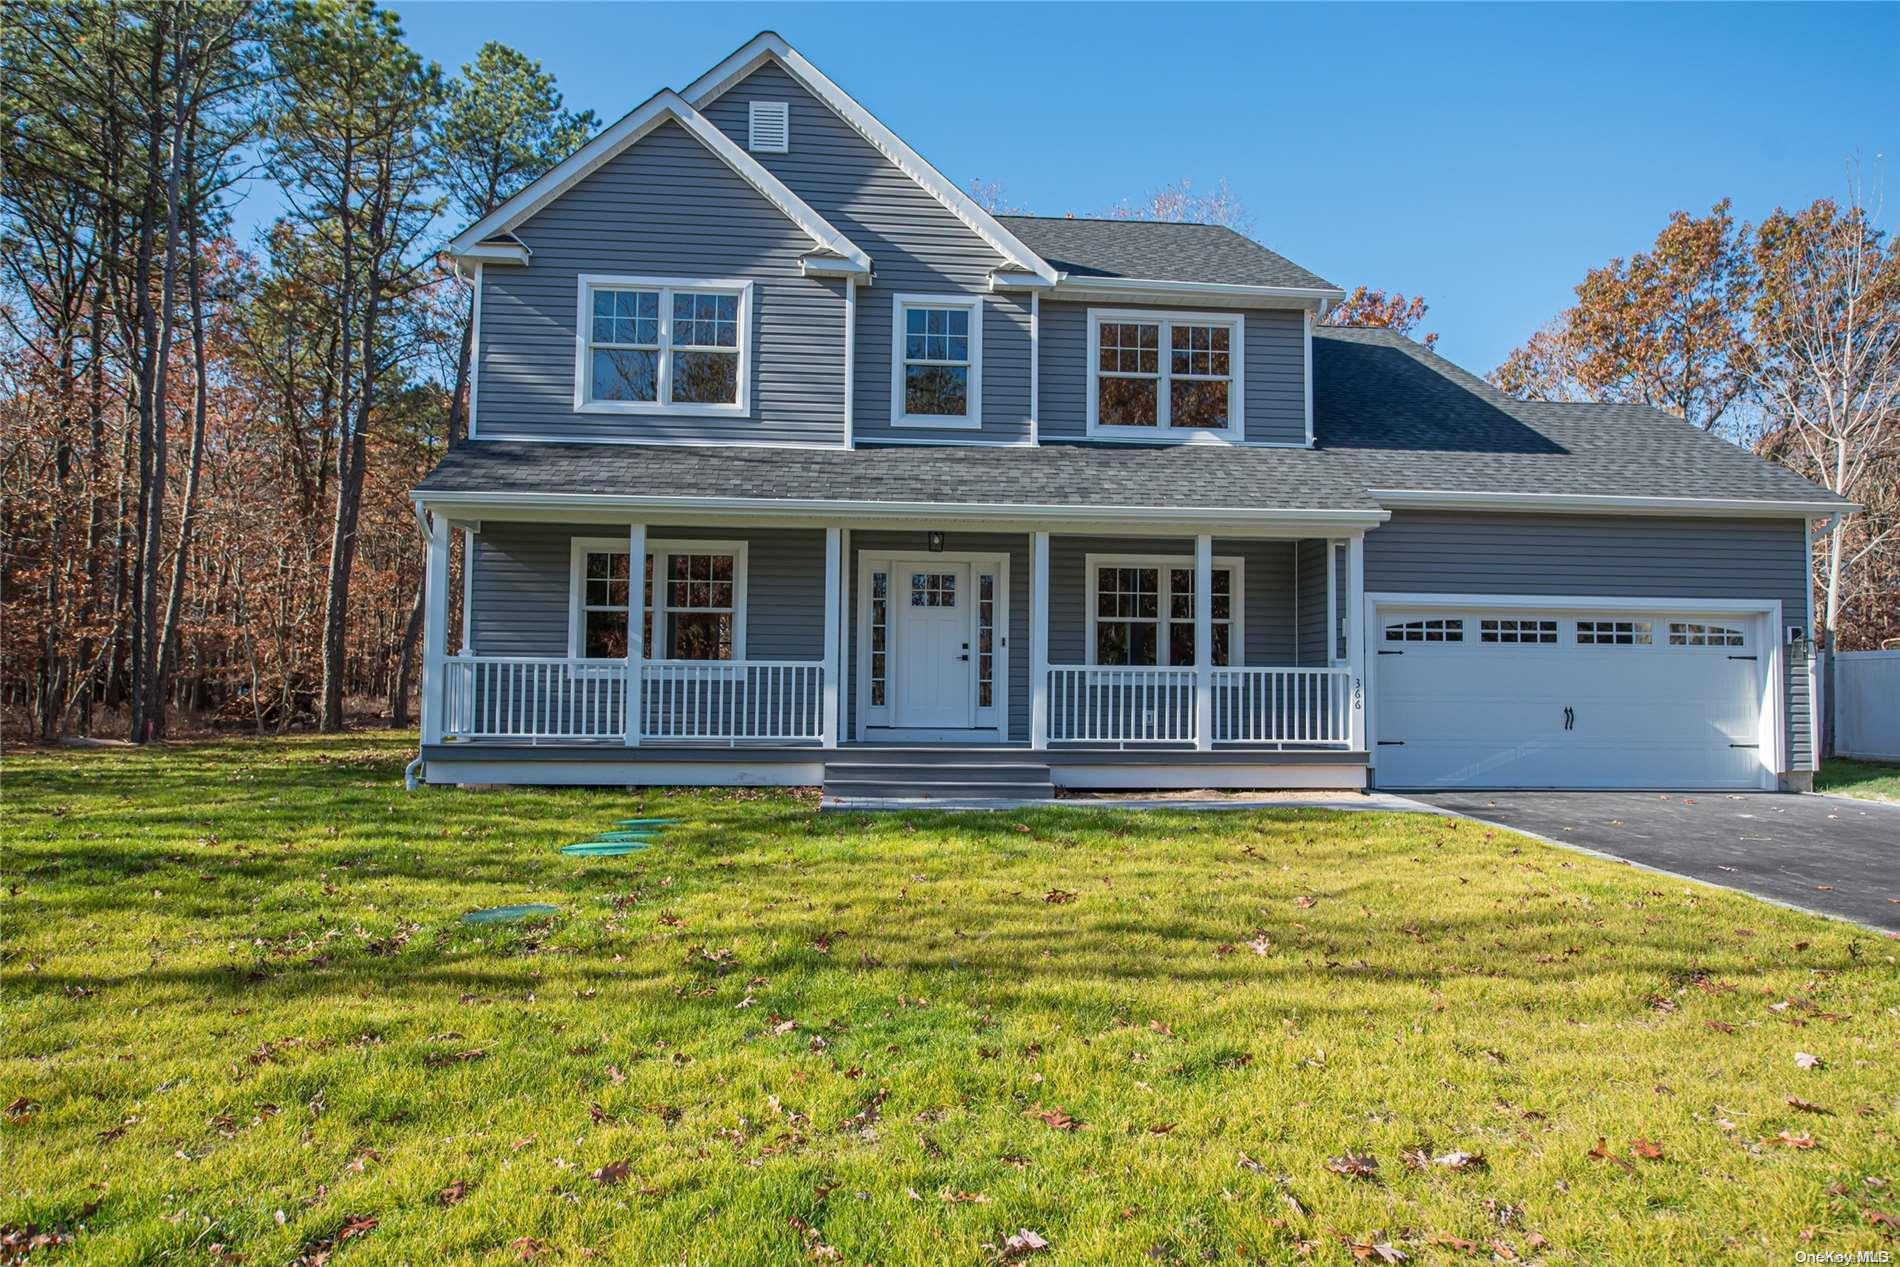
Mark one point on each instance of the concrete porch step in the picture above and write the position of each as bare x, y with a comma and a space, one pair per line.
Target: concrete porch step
876, 781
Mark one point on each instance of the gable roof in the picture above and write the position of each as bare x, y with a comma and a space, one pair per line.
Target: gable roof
770, 46
1159, 250
662, 107
1416, 429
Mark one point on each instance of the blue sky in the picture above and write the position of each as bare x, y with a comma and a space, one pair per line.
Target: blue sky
1483, 156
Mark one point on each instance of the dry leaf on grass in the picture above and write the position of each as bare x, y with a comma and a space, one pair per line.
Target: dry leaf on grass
1355, 1165
1056, 1119
612, 1173
453, 1194
1807, 1060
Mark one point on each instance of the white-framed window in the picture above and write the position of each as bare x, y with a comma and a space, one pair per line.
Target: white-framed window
1426, 629
663, 345
1684, 633
937, 361
1141, 611
1166, 375
692, 599
1509, 629
1613, 633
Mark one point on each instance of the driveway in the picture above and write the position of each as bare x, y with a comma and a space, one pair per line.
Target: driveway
1821, 853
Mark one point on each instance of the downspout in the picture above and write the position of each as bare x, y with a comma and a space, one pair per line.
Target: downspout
416, 765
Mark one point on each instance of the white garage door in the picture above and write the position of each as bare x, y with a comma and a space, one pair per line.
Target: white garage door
1485, 698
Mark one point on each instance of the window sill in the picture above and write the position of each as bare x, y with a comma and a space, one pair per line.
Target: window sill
741, 410
942, 422
1158, 435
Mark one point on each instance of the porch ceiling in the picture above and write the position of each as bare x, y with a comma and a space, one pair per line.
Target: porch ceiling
1234, 485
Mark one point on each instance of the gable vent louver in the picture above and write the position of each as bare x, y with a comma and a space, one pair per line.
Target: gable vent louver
771, 128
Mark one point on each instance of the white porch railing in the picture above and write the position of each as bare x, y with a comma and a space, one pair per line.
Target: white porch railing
1283, 706
537, 699
1101, 704
1119, 705
534, 698
732, 700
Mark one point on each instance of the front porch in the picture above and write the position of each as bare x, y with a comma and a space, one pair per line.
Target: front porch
755, 654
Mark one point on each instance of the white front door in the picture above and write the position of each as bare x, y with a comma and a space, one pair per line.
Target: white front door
934, 666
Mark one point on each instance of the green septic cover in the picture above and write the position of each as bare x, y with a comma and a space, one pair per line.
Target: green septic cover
604, 848
506, 914
646, 822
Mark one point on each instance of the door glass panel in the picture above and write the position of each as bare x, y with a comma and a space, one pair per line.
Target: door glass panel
880, 633
985, 639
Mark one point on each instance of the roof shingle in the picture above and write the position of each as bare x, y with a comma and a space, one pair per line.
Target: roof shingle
1159, 250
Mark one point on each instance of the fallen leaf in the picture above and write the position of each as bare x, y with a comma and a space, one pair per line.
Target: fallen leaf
528, 1248
1059, 897
1602, 1153
1306, 901
1806, 1106
1720, 1027
1806, 1060
453, 1194
963, 1198
1460, 1161
1452, 1242
1056, 1119
1647, 1149
612, 1173
1355, 1165
1799, 1140
1367, 1250
1022, 1243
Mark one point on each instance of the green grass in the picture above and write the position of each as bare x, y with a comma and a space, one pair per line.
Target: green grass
240, 1011
1868, 780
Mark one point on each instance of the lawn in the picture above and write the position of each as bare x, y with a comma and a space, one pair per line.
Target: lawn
1868, 780
242, 1017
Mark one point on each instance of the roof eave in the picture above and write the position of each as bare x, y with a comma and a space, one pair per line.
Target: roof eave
1153, 289
1600, 504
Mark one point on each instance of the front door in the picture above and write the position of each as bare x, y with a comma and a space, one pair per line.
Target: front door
934, 665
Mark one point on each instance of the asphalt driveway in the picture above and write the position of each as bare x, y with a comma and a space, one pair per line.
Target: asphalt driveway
1822, 853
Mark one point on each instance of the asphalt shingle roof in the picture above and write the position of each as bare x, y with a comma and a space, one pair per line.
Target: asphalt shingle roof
1398, 416
1389, 415
1157, 249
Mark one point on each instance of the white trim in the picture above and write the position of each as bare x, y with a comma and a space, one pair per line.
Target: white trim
1306, 371
1165, 320
1816, 714
778, 118
659, 108
834, 566
474, 350
1332, 603
969, 421
580, 547
1035, 368
1204, 635
587, 283
637, 649
1293, 602
850, 362
1594, 503
1039, 640
493, 253
1162, 290
1225, 517
1236, 635
1012, 279
768, 44
883, 441
1771, 735
651, 442
468, 591
1356, 658
888, 561
435, 628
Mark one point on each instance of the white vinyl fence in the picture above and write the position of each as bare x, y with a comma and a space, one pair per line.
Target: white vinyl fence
1867, 705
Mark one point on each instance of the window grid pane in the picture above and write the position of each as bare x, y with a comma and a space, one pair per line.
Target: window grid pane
1517, 631
1613, 633
1189, 389
985, 639
628, 343
880, 627
1437, 629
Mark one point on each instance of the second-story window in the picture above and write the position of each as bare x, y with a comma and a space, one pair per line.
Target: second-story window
937, 361
1164, 376
662, 345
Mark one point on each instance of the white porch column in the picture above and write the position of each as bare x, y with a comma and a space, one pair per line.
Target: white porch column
1039, 640
636, 627
468, 588
1203, 642
1356, 636
834, 571
1332, 603
435, 628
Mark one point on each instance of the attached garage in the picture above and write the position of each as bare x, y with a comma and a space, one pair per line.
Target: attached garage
1485, 694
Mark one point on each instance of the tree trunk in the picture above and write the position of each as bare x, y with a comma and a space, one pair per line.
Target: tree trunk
187, 514
406, 663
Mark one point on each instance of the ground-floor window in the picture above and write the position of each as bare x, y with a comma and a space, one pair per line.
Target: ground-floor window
1142, 612
692, 600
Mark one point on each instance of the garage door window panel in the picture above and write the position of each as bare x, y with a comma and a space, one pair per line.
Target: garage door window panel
1507, 630
1614, 633
1694, 634
1432, 629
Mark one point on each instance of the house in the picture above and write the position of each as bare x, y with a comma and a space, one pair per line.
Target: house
790, 463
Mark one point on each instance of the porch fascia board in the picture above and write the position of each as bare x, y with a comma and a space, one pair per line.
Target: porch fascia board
766, 512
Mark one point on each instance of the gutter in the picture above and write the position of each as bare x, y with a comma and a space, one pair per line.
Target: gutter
1592, 503
906, 511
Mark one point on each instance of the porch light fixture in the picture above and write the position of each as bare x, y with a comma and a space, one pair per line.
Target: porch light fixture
935, 540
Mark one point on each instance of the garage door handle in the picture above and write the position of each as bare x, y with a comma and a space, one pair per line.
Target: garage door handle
1391, 743
1570, 719
1382, 651
1741, 657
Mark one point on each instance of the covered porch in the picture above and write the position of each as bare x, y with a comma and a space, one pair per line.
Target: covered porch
747, 650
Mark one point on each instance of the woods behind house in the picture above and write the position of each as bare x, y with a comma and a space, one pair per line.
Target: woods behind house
207, 436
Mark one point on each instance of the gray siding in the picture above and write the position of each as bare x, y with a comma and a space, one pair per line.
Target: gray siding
1267, 620
521, 587
915, 242
1602, 555
663, 207
1016, 545
1274, 393
1310, 649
